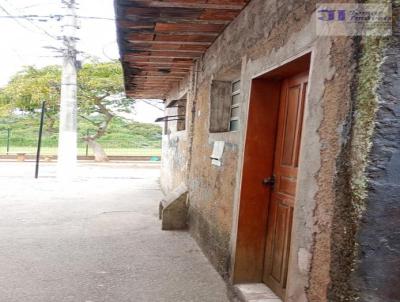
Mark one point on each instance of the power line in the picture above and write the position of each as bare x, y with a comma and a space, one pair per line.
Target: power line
97, 18
13, 17
38, 27
104, 49
32, 18
57, 17
37, 4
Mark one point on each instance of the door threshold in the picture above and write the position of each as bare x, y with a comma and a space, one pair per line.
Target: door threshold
255, 292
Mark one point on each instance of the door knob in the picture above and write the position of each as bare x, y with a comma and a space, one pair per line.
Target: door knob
270, 181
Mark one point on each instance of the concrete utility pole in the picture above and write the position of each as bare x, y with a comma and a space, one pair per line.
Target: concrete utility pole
67, 142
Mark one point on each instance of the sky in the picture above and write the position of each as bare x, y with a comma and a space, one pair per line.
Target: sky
25, 42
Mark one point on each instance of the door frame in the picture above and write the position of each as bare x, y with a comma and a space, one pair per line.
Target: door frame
258, 161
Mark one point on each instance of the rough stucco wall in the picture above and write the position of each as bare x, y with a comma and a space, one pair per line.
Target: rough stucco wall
175, 145
174, 160
255, 33
279, 30
377, 271
331, 195
211, 190
323, 246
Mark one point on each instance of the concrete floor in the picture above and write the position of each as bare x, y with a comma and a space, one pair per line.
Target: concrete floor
95, 239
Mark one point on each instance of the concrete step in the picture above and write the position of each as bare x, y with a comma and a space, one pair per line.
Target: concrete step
255, 292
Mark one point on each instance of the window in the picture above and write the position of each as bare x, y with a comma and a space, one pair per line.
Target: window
235, 107
225, 106
220, 106
177, 116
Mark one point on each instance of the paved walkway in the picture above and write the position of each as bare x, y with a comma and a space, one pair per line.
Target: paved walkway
98, 239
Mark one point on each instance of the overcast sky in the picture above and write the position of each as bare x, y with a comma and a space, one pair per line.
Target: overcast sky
24, 42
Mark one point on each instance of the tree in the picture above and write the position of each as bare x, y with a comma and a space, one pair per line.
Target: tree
28, 88
100, 96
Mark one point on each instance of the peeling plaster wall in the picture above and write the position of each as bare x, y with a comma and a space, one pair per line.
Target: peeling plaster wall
265, 36
174, 160
175, 144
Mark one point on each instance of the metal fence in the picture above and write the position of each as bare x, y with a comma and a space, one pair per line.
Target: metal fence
13, 144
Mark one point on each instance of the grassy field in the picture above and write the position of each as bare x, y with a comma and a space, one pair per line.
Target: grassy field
82, 151
123, 138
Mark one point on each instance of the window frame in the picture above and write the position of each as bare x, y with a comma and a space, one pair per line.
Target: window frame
234, 106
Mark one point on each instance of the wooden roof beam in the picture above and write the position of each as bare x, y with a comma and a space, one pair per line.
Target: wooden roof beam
175, 37
157, 68
234, 5
135, 20
135, 40
158, 61
156, 46
149, 93
189, 27
145, 84
144, 50
151, 73
155, 80
159, 76
163, 55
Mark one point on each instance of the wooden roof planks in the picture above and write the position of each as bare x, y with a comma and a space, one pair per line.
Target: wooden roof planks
160, 39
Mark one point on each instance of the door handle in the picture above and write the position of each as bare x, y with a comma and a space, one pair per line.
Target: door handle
270, 181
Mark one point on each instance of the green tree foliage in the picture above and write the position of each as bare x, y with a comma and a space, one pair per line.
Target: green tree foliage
100, 95
28, 88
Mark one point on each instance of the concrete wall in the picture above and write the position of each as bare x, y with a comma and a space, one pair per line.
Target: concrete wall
175, 144
266, 35
174, 160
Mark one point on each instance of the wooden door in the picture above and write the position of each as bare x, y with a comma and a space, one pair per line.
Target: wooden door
280, 214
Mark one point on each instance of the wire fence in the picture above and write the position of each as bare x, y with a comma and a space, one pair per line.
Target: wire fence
14, 144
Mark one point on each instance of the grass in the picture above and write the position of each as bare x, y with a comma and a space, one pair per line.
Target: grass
123, 138
82, 151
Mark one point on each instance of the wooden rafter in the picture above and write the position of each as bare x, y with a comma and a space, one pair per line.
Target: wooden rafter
160, 39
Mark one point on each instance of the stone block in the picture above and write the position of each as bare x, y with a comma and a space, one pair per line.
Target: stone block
255, 292
173, 209
21, 156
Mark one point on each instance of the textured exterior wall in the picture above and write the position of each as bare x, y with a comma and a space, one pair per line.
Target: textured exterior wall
379, 236
211, 188
174, 160
175, 144
377, 269
265, 36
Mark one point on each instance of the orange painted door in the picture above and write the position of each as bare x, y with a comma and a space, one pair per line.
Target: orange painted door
280, 215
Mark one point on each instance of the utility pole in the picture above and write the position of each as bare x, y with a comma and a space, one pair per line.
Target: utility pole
67, 141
